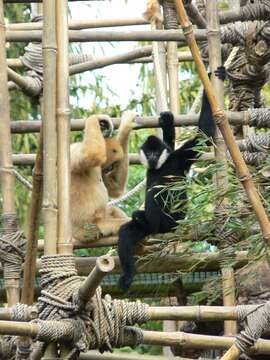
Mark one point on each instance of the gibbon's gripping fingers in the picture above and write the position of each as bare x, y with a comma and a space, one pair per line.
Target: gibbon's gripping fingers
106, 125
221, 72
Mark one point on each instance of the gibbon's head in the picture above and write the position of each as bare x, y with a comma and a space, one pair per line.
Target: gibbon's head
154, 152
114, 153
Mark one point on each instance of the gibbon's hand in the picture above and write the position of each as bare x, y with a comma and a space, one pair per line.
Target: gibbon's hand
166, 119
106, 125
128, 119
221, 73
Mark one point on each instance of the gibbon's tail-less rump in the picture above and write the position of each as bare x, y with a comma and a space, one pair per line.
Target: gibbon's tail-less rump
164, 166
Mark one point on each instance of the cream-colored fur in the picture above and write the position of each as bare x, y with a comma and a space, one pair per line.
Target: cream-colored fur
91, 185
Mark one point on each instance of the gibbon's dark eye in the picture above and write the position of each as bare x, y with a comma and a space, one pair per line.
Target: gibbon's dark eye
108, 169
114, 151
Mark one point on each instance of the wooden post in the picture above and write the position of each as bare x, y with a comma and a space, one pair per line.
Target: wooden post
222, 121
6, 165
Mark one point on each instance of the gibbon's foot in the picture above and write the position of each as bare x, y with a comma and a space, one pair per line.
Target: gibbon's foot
221, 72
125, 282
166, 118
106, 125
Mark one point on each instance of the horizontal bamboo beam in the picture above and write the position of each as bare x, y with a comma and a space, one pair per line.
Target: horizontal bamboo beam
93, 36
182, 56
93, 355
82, 24
185, 340
236, 118
194, 341
196, 313
29, 159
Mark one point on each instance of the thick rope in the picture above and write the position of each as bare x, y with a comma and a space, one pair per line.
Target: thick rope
12, 246
259, 141
259, 118
99, 326
256, 322
256, 11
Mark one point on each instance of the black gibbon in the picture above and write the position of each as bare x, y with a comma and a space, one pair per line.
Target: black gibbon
164, 166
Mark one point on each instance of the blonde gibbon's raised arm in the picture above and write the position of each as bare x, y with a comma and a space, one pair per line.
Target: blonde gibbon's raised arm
116, 180
91, 152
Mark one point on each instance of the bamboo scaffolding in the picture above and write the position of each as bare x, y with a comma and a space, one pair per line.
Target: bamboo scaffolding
82, 24
63, 129
33, 126
221, 178
7, 176
242, 169
93, 36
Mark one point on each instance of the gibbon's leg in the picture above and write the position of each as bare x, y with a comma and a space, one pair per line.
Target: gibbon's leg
115, 181
112, 221
130, 234
91, 152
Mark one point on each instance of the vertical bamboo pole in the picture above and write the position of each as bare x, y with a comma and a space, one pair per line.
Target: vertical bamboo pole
49, 123
50, 212
63, 129
228, 285
221, 178
222, 121
7, 176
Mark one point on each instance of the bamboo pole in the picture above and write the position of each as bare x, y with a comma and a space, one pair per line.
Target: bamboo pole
63, 130
110, 60
50, 203
83, 24
181, 56
221, 178
93, 355
50, 137
186, 340
192, 341
27, 296
33, 126
104, 265
242, 169
93, 36
7, 175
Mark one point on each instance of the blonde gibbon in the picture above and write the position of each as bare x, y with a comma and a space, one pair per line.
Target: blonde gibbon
99, 170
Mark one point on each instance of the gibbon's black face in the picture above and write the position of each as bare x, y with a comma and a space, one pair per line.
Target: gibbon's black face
154, 152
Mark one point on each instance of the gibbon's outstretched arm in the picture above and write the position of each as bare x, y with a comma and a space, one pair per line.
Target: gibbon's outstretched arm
91, 152
166, 122
116, 180
188, 153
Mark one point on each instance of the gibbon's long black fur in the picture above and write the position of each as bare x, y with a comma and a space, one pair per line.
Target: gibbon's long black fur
164, 166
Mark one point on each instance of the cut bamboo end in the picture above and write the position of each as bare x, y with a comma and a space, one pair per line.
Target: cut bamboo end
232, 354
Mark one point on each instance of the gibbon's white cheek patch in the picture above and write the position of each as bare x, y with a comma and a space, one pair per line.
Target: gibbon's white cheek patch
143, 159
163, 157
